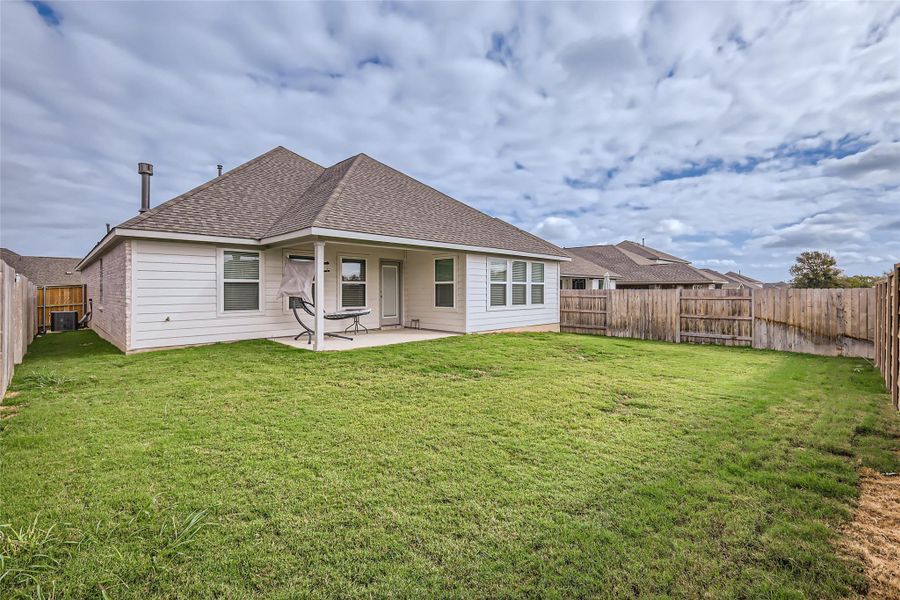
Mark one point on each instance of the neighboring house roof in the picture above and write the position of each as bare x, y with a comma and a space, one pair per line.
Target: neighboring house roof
280, 192
582, 267
632, 272
648, 252
749, 281
43, 270
729, 282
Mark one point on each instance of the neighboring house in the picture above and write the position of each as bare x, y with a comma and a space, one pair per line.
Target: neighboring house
206, 265
43, 270
637, 266
735, 281
583, 274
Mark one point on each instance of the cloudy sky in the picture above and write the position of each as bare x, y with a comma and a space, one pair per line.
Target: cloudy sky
735, 135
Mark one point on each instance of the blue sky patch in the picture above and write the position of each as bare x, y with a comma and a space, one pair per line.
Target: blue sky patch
46, 12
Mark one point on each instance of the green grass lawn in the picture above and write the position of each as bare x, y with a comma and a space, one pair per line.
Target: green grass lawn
481, 466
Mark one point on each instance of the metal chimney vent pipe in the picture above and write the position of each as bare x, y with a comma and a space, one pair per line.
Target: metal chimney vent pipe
220, 169
146, 172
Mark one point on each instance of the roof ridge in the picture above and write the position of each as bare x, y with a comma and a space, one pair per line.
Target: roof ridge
339, 188
451, 198
312, 162
169, 203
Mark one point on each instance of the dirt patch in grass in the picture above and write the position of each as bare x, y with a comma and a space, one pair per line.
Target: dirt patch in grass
874, 534
7, 412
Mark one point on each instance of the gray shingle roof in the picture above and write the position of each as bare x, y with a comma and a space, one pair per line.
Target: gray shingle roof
43, 270
582, 267
281, 192
244, 202
648, 252
630, 272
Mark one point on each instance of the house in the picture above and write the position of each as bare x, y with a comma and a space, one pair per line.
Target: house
735, 281
583, 274
206, 266
43, 270
637, 266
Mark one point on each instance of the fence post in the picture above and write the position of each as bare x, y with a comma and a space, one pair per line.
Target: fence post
678, 315
895, 336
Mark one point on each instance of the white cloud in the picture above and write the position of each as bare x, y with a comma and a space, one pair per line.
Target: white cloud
560, 229
727, 132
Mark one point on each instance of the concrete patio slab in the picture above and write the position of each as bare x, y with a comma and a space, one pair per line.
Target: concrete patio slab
381, 337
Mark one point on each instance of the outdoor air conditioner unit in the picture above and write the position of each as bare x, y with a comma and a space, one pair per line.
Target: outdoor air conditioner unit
63, 320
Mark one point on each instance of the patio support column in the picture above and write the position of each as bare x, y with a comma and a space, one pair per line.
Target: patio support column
319, 255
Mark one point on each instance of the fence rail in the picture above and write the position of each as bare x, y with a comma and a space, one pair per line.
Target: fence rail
839, 322
887, 332
18, 321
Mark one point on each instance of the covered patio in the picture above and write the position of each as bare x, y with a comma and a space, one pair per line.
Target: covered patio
380, 337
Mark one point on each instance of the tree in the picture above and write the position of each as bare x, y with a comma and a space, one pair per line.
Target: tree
816, 269
859, 281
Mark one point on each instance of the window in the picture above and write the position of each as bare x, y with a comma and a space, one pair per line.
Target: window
101, 281
498, 290
444, 282
579, 284
520, 282
353, 283
537, 283
515, 283
240, 280
295, 302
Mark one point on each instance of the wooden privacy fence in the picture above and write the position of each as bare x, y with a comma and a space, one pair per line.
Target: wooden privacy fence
887, 332
18, 321
829, 322
51, 298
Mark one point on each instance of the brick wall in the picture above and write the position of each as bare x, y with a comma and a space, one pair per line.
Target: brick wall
110, 316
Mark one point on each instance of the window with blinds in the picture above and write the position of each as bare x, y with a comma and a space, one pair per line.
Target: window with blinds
499, 272
537, 283
353, 283
515, 283
240, 286
444, 282
520, 282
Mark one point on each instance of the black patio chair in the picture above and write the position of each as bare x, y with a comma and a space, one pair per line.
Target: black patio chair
308, 307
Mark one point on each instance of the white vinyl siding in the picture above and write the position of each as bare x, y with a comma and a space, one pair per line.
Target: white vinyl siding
175, 298
488, 280
419, 293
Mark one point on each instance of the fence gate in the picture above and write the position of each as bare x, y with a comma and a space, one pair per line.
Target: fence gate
52, 298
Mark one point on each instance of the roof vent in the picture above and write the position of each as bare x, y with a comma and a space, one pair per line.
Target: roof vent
146, 172
219, 167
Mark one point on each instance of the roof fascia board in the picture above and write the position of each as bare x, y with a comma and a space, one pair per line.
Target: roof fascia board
388, 239
186, 237
119, 233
